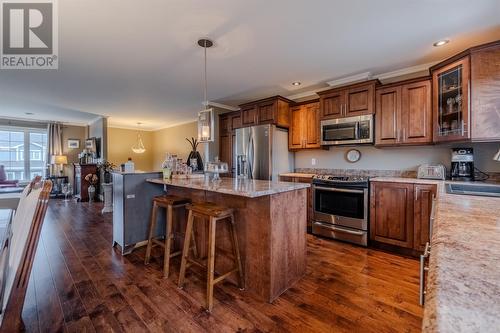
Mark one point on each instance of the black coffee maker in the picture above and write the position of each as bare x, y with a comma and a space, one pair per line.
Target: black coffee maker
462, 164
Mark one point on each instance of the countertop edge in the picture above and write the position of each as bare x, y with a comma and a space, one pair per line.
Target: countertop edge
231, 191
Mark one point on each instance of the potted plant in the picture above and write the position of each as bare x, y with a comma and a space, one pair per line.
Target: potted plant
107, 167
92, 179
194, 155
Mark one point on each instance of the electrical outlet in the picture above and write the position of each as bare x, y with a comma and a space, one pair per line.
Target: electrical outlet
313, 161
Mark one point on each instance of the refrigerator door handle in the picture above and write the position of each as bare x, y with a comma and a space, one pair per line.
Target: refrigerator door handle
250, 154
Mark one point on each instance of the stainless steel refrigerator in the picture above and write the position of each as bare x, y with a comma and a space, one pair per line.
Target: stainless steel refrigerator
265, 149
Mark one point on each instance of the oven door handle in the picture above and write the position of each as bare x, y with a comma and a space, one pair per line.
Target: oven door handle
336, 189
334, 228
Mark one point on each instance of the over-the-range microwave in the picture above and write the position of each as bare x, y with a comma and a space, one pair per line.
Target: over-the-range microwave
345, 131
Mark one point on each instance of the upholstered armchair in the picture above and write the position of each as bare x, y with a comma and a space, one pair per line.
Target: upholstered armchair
4, 182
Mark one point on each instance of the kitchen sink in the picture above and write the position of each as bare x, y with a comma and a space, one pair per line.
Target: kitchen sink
473, 189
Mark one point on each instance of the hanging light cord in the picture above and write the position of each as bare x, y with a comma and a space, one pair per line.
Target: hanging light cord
205, 49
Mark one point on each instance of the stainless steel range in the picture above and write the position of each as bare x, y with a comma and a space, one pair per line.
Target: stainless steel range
341, 208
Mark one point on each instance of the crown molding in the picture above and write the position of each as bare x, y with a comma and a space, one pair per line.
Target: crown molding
310, 93
222, 106
350, 79
175, 125
132, 128
406, 71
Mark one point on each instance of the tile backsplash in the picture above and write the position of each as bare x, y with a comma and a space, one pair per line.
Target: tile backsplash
492, 176
360, 172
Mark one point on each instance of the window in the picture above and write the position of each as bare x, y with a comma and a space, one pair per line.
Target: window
23, 152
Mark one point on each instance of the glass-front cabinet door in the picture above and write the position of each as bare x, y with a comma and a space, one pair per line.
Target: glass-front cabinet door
451, 90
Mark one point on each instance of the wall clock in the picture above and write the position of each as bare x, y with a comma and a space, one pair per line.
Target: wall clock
353, 155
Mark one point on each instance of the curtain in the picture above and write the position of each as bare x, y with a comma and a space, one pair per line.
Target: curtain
54, 143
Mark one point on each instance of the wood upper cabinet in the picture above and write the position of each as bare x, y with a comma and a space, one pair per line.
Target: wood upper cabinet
450, 98
304, 129
273, 110
235, 120
400, 213
295, 135
249, 115
332, 104
388, 115
266, 111
354, 100
416, 118
360, 100
391, 213
424, 195
485, 93
404, 113
312, 127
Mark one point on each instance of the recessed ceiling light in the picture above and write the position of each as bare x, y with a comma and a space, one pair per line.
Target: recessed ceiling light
441, 42
296, 83
29, 113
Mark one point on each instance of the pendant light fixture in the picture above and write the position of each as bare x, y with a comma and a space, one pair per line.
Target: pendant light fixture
205, 117
139, 147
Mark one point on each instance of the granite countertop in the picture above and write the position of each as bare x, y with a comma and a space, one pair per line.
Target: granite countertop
297, 175
234, 186
463, 284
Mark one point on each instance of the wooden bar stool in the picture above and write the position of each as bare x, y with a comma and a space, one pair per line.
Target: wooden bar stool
169, 202
211, 213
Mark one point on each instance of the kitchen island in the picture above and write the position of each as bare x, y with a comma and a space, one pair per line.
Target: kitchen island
270, 224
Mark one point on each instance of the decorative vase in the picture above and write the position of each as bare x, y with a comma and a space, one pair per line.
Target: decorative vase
107, 177
91, 190
199, 162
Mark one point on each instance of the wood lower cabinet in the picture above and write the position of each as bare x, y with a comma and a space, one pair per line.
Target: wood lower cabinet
404, 113
400, 214
353, 100
273, 110
391, 213
424, 195
304, 131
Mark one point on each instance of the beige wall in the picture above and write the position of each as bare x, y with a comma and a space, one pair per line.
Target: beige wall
173, 140
120, 143
72, 132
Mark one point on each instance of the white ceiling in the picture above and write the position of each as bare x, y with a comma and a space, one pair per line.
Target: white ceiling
137, 61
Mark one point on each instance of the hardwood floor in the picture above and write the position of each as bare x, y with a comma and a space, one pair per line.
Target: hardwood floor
79, 283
